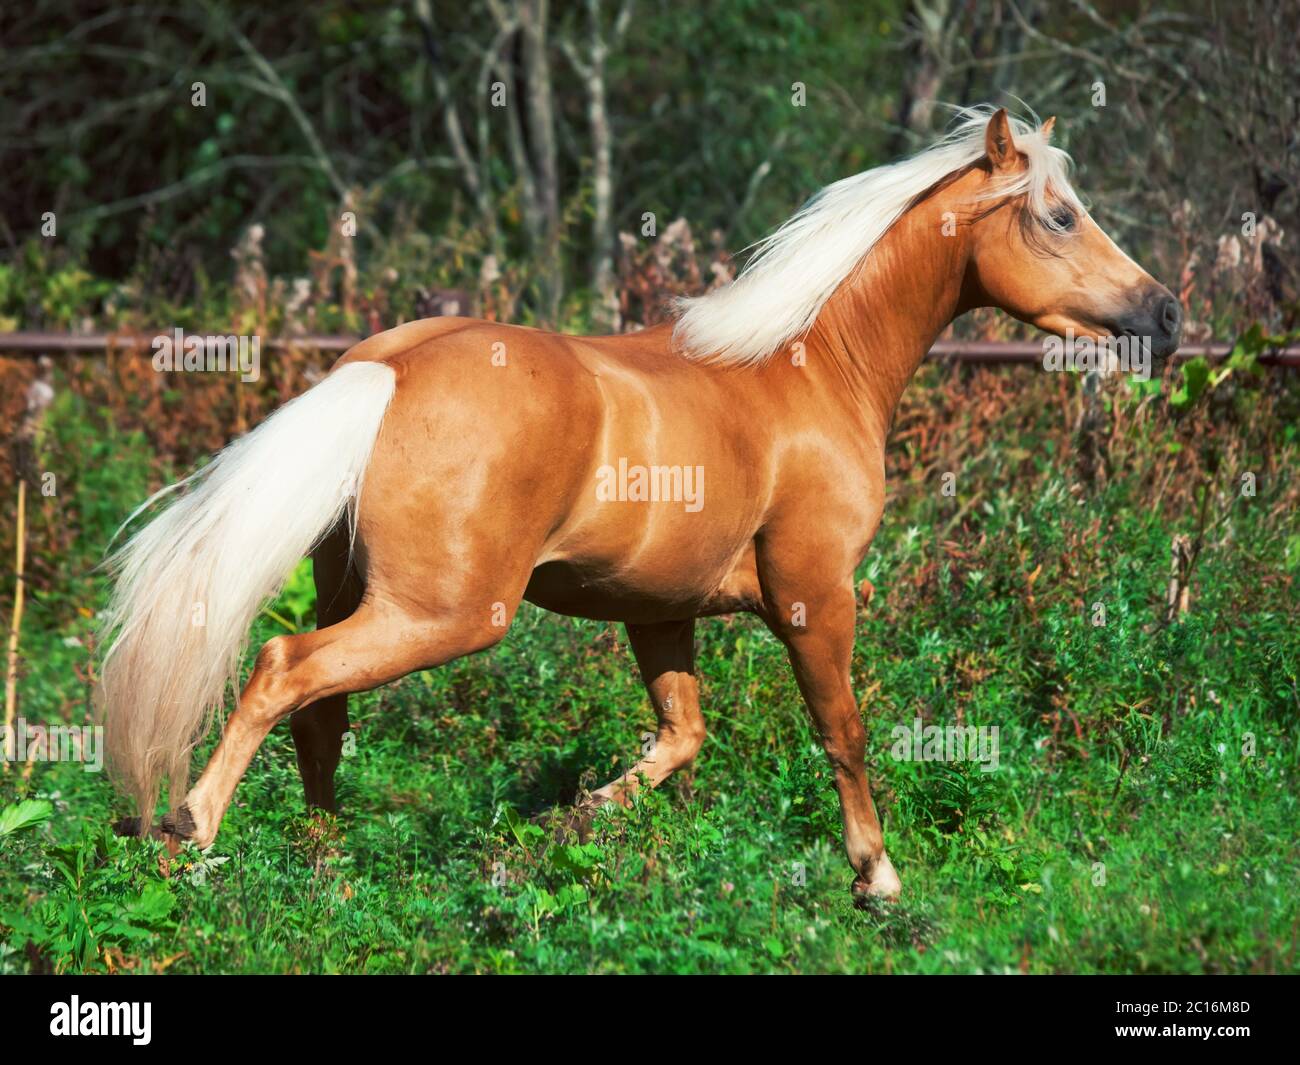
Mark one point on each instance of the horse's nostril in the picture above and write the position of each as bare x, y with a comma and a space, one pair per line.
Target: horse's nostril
1171, 315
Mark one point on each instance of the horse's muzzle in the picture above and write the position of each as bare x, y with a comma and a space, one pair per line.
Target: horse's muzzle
1157, 319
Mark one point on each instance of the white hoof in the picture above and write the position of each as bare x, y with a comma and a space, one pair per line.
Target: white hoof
883, 883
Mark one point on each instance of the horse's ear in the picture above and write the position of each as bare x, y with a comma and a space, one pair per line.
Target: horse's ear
998, 144
1048, 126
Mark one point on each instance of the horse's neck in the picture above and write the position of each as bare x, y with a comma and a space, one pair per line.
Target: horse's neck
882, 320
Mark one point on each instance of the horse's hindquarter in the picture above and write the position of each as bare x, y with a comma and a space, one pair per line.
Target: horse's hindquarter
477, 461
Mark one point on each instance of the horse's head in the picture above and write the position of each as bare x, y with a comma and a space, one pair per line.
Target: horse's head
1038, 255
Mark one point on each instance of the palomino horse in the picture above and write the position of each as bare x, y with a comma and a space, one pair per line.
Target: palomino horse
732, 462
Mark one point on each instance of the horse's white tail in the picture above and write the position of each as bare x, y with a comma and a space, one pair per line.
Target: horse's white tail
190, 583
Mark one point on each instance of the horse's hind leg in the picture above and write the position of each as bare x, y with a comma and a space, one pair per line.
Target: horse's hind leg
665, 653
319, 727
376, 644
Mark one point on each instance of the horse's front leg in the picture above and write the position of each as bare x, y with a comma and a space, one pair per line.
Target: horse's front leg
816, 625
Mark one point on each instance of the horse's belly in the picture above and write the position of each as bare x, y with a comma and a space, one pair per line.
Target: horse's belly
644, 594
568, 589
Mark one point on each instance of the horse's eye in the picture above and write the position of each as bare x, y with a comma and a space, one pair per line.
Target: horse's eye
1063, 219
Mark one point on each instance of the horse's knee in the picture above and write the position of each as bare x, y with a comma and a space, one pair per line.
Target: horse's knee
275, 688
276, 656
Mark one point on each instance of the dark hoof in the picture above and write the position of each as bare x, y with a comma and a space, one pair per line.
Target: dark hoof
126, 826
130, 828
179, 823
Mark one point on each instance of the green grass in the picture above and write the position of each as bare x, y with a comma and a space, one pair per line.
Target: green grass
1143, 818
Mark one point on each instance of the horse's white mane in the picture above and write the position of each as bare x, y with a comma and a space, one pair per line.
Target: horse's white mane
794, 270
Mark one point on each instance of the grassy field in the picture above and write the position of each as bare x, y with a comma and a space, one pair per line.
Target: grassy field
1143, 817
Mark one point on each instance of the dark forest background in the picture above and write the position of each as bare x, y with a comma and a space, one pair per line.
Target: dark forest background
612, 109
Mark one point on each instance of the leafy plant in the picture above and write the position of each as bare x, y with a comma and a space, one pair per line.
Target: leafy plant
20, 815
104, 893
